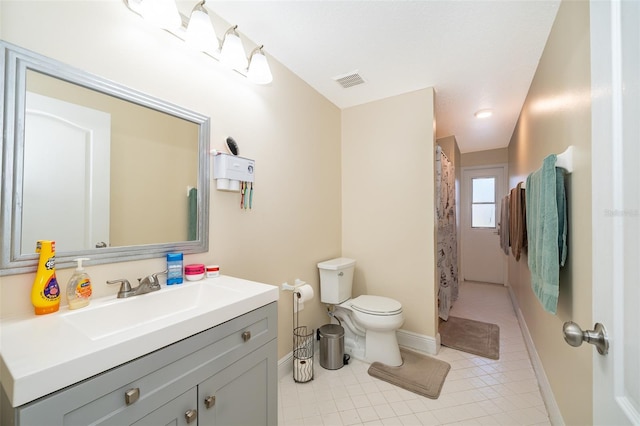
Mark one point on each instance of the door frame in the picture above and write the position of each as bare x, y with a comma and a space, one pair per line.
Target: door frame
464, 211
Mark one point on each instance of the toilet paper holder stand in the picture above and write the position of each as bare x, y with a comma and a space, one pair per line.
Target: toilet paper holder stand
303, 341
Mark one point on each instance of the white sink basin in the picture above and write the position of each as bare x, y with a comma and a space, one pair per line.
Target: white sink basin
42, 354
139, 312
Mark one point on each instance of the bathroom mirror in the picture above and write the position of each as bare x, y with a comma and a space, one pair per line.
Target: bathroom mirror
105, 171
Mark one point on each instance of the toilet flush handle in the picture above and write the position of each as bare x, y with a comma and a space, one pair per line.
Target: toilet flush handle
340, 274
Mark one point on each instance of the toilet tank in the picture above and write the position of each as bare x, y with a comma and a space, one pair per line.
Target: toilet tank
336, 280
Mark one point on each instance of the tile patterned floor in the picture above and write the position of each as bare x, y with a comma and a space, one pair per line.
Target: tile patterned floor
477, 391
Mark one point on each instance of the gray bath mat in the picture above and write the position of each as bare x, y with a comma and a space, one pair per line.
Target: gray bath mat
475, 337
418, 373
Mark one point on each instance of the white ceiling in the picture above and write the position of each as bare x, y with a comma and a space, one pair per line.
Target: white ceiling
476, 54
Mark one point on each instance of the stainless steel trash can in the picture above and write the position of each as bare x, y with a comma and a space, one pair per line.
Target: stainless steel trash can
331, 346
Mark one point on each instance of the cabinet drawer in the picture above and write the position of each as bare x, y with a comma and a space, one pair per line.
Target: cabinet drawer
155, 378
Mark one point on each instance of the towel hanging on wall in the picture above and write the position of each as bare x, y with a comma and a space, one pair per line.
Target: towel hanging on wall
546, 218
518, 221
504, 225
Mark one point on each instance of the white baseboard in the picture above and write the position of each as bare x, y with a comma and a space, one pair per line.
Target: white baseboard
285, 366
419, 342
555, 417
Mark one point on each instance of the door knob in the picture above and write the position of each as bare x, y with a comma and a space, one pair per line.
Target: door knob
574, 336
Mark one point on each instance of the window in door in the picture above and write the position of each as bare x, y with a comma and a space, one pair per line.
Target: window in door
483, 202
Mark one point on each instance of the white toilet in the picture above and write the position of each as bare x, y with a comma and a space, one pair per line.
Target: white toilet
370, 322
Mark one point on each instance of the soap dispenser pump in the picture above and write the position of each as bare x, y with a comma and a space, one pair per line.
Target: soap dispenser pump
79, 287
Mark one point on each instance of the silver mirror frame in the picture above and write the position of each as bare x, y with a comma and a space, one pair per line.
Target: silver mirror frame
14, 62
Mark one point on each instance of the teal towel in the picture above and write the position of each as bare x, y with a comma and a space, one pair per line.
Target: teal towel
193, 215
546, 230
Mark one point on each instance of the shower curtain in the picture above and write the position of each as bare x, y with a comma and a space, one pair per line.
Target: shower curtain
447, 248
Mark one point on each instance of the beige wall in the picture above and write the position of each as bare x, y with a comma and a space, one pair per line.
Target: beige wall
387, 200
485, 158
291, 131
555, 115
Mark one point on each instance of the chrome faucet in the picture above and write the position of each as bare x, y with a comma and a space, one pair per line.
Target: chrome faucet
146, 285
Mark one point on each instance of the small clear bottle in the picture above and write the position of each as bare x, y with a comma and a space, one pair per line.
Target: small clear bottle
79, 287
174, 268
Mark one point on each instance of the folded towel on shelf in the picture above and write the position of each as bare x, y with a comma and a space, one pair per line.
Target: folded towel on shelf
504, 226
517, 221
547, 231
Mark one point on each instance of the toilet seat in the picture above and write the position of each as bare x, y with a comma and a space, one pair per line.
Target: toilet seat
376, 305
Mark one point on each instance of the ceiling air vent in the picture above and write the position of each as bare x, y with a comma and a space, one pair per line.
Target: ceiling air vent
349, 80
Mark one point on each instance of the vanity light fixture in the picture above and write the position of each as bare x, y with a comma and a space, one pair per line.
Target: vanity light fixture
162, 13
198, 32
231, 50
259, 71
483, 113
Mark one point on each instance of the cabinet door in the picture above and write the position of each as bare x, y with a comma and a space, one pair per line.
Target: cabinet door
245, 392
180, 411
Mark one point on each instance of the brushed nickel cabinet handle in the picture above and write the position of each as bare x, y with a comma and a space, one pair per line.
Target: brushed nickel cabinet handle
191, 415
210, 401
132, 395
246, 336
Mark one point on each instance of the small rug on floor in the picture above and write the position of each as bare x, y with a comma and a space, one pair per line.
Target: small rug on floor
418, 373
475, 337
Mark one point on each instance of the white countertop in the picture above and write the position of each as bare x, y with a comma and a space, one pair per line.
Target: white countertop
42, 354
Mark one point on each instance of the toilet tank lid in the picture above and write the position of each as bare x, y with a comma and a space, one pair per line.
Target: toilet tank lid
337, 264
376, 304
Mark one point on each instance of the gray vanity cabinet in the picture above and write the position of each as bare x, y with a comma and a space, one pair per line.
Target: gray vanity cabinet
176, 412
236, 395
226, 375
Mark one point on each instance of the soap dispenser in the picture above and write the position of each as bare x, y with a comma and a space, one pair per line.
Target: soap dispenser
79, 287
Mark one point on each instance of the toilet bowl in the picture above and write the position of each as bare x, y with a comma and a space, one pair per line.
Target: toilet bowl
379, 318
370, 321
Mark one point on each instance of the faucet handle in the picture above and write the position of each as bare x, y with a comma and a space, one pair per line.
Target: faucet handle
152, 280
154, 277
125, 286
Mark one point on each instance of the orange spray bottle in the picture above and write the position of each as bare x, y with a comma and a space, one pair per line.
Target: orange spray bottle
45, 293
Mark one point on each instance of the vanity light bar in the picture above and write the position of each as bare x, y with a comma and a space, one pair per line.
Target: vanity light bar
198, 31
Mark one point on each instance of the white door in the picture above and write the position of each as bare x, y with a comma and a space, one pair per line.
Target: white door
66, 185
615, 72
482, 258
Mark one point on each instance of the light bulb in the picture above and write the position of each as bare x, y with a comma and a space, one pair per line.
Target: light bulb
200, 33
483, 113
259, 71
232, 53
